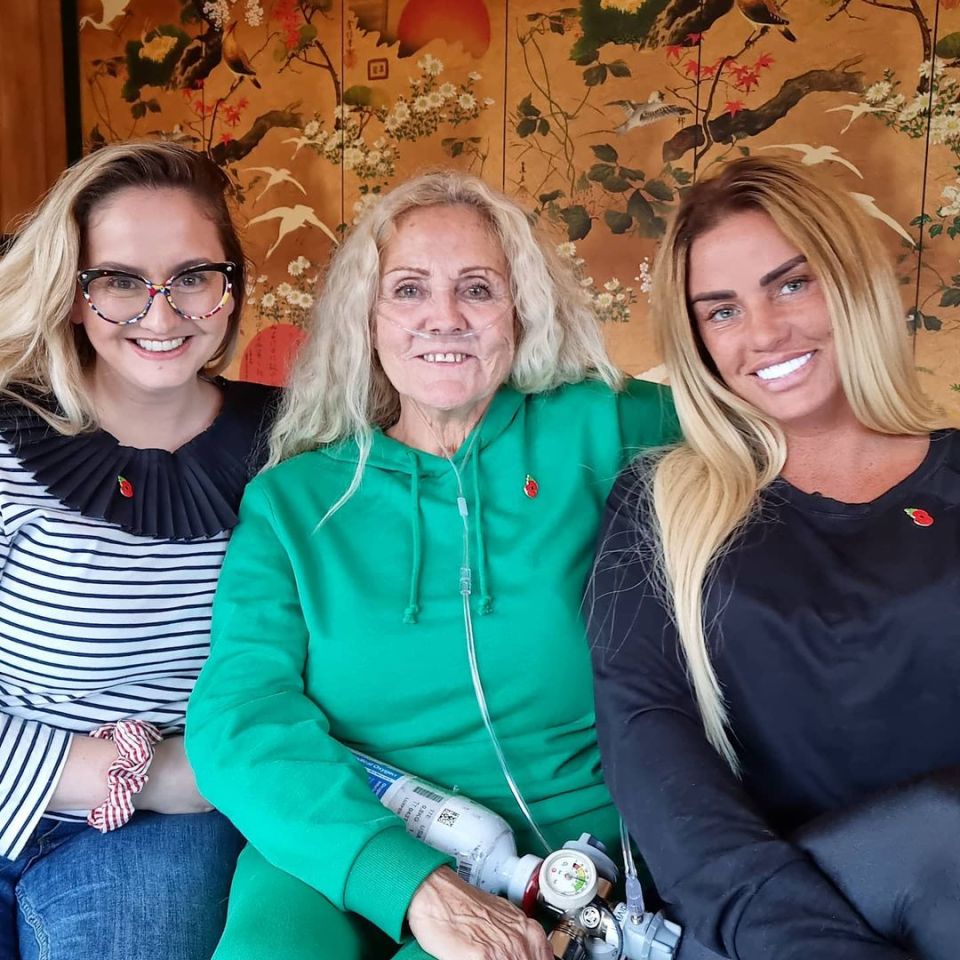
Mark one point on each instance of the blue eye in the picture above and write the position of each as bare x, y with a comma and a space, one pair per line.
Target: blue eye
478, 291
406, 291
794, 285
721, 313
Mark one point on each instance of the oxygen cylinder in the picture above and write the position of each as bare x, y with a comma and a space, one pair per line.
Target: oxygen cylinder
481, 841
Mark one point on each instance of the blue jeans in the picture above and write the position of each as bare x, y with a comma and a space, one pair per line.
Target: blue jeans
156, 889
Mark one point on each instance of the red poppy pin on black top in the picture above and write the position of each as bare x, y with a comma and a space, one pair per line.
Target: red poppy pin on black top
920, 517
126, 487
530, 487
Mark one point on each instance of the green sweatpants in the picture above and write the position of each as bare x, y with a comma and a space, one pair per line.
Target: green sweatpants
273, 915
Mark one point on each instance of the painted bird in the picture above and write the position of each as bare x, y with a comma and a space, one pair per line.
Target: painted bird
111, 10
293, 218
276, 177
857, 110
815, 155
766, 13
639, 114
237, 61
870, 207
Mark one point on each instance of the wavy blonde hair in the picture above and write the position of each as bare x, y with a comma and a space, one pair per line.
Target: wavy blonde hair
40, 348
338, 389
705, 490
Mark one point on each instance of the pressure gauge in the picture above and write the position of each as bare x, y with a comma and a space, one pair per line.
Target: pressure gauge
568, 879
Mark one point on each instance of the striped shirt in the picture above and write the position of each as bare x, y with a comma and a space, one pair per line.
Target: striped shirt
96, 625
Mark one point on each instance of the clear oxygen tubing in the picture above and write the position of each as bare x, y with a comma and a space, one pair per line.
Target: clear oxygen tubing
632, 887
466, 577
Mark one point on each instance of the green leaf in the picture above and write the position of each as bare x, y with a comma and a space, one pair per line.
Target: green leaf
921, 220
587, 57
153, 106
578, 222
616, 184
936, 230
631, 174
648, 223
594, 76
659, 190
550, 197
526, 127
556, 26
526, 107
950, 298
138, 110
600, 172
617, 221
307, 34
543, 126
619, 68
603, 151
931, 323
680, 176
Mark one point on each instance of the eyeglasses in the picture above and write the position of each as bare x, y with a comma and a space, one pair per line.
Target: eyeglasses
195, 293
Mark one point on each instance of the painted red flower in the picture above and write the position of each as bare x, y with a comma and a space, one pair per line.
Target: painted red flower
530, 487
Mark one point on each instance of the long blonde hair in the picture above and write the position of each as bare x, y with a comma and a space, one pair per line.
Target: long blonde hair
705, 490
338, 389
40, 348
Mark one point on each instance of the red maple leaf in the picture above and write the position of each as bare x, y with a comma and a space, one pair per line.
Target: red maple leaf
232, 115
691, 69
674, 51
733, 107
764, 60
693, 38
708, 71
243, 103
747, 80
226, 137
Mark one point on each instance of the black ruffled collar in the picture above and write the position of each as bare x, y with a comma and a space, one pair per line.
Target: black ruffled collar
192, 493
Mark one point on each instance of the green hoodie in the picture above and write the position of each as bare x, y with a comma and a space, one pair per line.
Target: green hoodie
352, 633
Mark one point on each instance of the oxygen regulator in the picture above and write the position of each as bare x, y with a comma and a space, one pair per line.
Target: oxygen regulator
573, 885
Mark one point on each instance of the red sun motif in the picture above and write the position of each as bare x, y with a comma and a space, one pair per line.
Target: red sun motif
456, 21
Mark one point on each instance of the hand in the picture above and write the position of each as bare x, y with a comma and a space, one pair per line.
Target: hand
171, 787
454, 921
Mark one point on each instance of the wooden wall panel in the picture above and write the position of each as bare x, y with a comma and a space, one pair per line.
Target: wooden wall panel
32, 128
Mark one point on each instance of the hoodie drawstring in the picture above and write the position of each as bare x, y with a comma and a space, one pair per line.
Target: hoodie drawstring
413, 603
486, 600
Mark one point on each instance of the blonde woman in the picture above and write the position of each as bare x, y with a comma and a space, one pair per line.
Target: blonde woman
447, 443
122, 460
774, 610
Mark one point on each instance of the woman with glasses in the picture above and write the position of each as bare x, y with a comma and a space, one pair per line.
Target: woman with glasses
122, 461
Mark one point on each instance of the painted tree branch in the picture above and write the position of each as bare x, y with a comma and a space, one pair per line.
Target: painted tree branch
224, 153
680, 18
748, 123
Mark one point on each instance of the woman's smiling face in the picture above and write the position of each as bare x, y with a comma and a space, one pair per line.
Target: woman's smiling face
763, 319
444, 328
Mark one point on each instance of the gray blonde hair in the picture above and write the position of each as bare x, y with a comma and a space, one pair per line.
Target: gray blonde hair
337, 388
705, 490
39, 346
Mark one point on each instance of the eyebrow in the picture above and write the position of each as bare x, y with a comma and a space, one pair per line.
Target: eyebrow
421, 272
126, 268
765, 281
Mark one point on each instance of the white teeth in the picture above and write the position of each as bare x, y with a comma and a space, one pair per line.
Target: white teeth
160, 346
444, 357
779, 370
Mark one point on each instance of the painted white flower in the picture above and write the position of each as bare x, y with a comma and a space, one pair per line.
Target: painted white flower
401, 112
218, 12
352, 157
568, 249
611, 284
296, 267
311, 129
373, 157
467, 101
262, 278
488, 101
267, 301
878, 92
435, 100
284, 289
251, 301
306, 300
951, 201
586, 282
342, 112
158, 49
253, 13
430, 65
447, 90
620, 297
913, 109
474, 76
421, 104
604, 300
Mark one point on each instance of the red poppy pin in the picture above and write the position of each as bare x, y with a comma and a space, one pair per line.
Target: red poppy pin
126, 487
920, 517
530, 487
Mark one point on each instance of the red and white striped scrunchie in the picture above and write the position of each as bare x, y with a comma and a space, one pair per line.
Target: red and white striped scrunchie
127, 775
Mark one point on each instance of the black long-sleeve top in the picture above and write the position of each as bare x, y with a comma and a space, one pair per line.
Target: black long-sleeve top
835, 635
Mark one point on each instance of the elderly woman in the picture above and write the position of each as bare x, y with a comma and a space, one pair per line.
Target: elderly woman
440, 468
775, 616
